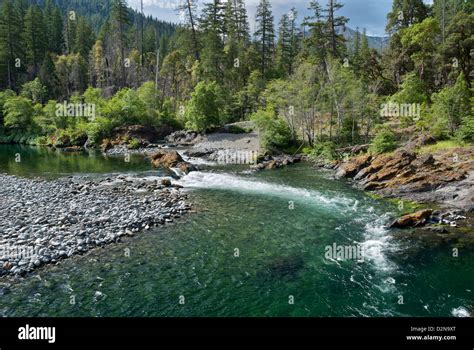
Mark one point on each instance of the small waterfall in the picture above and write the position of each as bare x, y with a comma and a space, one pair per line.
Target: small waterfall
178, 172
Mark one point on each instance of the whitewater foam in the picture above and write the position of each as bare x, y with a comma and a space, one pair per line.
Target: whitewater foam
210, 180
460, 312
377, 243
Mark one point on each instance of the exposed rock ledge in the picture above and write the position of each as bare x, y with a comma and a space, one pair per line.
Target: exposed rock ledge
446, 177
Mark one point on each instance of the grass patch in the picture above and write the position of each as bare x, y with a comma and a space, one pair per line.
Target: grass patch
441, 146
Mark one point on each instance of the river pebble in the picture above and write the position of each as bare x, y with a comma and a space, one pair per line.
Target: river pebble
44, 221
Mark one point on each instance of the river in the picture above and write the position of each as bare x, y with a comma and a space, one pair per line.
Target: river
254, 245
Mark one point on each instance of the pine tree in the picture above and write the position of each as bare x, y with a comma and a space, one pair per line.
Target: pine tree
34, 36
364, 61
21, 7
212, 25
121, 20
236, 67
405, 13
10, 40
283, 49
265, 36
55, 31
212, 17
294, 39
150, 40
236, 21
317, 43
356, 49
47, 75
364, 46
187, 10
164, 47
84, 38
70, 33
334, 22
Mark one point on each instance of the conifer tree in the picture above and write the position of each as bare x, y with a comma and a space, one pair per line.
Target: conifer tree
265, 36
34, 36
10, 40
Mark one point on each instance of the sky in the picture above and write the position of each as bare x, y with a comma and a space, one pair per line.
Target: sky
369, 14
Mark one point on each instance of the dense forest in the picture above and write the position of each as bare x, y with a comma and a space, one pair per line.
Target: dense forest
296, 78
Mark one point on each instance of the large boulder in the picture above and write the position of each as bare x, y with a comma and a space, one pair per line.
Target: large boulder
182, 137
269, 163
185, 167
199, 153
106, 145
419, 141
167, 159
171, 159
413, 220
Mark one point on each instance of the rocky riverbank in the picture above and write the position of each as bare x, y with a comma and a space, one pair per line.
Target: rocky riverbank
442, 179
446, 177
42, 222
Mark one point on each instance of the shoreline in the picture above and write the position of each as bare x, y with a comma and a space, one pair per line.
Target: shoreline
91, 222
45, 221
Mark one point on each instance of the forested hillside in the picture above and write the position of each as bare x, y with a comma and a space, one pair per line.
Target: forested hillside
310, 89
51, 39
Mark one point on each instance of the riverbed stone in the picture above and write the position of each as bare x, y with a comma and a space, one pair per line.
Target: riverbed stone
56, 226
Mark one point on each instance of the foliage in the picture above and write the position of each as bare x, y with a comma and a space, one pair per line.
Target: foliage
450, 109
34, 90
235, 129
324, 150
274, 132
412, 90
134, 144
18, 114
440, 146
384, 141
308, 87
203, 111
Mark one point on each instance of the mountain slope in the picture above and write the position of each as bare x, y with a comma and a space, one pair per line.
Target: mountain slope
375, 42
97, 12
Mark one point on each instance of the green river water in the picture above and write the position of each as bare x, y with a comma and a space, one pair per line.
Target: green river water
254, 245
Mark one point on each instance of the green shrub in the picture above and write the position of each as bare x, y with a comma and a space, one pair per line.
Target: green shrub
274, 132
466, 131
41, 141
34, 90
19, 113
203, 110
4, 96
325, 150
134, 144
235, 129
450, 110
98, 129
384, 141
